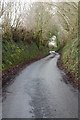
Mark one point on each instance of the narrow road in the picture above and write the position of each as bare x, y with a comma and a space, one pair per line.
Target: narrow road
40, 91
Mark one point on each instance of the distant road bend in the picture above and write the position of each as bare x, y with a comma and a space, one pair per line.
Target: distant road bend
40, 91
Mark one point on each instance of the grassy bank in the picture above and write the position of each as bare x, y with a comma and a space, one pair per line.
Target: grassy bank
17, 53
69, 60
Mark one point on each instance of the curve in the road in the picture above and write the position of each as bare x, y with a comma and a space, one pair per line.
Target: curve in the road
39, 91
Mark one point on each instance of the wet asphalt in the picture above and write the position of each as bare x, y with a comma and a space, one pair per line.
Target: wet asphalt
40, 91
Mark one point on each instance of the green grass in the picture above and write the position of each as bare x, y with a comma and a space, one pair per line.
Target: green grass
16, 53
70, 56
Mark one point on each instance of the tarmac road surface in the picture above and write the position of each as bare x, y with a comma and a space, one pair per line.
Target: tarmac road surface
40, 90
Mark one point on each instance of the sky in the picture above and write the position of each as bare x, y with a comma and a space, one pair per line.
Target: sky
42, 0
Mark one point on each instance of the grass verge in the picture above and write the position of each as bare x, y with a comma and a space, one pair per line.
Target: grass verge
17, 55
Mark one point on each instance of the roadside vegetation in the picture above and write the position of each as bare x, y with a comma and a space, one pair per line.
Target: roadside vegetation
16, 53
70, 61
19, 44
70, 50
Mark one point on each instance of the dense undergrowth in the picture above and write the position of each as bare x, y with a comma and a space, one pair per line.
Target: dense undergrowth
17, 53
70, 58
